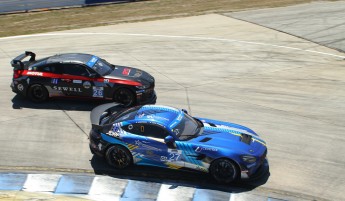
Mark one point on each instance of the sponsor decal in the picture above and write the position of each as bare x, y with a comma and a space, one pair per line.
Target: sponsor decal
87, 85
55, 81
66, 80
149, 152
126, 71
138, 73
77, 81
68, 89
106, 80
176, 131
164, 158
144, 145
92, 61
198, 149
35, 73
97, 92
113, 134
20, 87
116, 129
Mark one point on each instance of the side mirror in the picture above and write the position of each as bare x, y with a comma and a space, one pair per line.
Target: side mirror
170, 141
185, 111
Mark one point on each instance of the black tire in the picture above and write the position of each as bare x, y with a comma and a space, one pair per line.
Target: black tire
38, 93
224, 170
118, 157
124, 96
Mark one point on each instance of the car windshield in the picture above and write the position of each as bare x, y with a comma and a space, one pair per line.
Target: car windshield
188, 128
102, 67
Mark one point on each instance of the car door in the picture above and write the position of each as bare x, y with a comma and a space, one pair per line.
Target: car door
76, 81
155, 149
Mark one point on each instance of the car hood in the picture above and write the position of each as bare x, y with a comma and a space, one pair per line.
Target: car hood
229, 136
130, 73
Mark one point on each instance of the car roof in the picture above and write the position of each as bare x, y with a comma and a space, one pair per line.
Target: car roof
70, 58
157, 114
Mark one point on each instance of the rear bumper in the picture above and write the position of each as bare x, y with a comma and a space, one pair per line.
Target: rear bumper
18, 87
14, 89
97, 145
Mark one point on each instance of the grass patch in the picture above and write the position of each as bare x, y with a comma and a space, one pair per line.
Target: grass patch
72, 18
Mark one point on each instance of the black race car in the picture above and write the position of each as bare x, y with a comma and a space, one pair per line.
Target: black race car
80, 75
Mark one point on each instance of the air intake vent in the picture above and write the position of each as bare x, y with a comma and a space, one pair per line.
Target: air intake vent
246, 138
205, 139
206, 132
212, 124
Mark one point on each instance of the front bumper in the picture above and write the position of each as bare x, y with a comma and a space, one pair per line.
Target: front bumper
260, 172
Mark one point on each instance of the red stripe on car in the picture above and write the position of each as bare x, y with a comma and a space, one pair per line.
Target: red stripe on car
75, 77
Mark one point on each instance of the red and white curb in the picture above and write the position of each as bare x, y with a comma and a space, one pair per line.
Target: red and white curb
108, 188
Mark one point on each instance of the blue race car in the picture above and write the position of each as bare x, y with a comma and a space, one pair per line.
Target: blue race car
168, 137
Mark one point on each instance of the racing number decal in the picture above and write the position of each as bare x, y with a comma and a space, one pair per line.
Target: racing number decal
97, 92
142, 129
174, 156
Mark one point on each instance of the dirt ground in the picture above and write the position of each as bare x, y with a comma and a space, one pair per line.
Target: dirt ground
72, 18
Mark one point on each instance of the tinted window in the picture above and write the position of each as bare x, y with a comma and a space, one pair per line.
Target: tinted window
147, 130
75, 69
102, 67
51, 68
187, 128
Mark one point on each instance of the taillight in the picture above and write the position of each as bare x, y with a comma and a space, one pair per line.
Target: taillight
17, 74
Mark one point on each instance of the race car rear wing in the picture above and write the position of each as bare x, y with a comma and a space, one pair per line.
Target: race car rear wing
17, 62
99, 112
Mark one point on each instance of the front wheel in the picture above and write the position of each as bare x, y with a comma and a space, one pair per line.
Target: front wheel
124, 96
38, 93
224, 170
118, 157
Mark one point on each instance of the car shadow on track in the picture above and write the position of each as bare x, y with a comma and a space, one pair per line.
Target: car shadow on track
177, 178
19, 102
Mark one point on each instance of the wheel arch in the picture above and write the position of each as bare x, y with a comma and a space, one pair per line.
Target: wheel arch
130, 88
237, 165
120, 145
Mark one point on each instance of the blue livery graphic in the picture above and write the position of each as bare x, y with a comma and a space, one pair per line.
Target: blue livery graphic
92, 61
171, 138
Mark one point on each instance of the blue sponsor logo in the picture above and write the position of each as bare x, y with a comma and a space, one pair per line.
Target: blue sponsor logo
55, 81
92, 61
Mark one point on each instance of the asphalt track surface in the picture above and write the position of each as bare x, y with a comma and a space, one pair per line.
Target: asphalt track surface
320, 22
289, 90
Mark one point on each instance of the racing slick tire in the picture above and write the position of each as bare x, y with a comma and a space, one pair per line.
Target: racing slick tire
124, 96
37, 93
118, 157
224, 170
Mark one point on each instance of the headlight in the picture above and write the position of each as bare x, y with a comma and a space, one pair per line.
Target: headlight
248, 159
142, 87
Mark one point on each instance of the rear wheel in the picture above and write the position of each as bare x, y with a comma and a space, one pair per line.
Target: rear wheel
224, 170
118, 156
37, 93
124, 96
